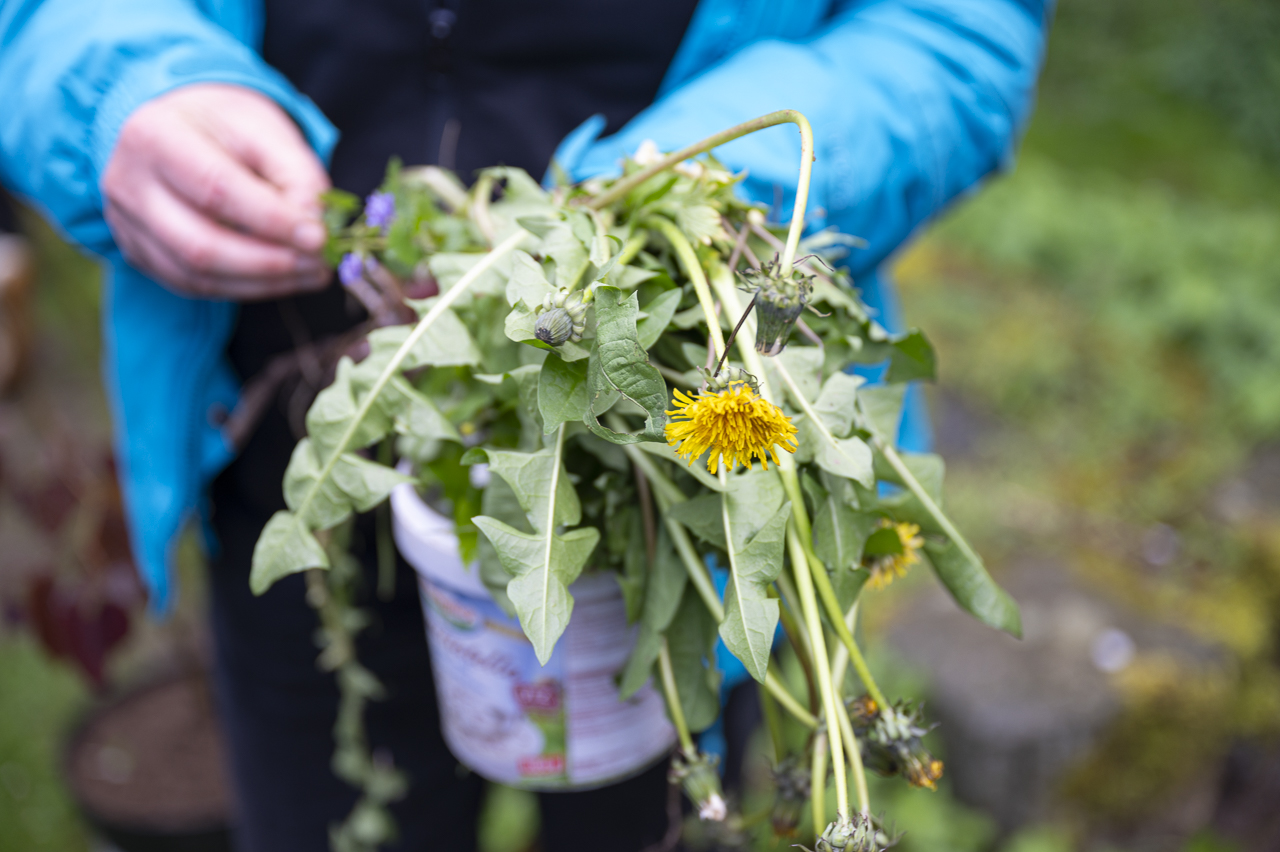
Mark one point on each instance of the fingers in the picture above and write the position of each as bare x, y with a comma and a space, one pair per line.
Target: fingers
209, 180
198, 258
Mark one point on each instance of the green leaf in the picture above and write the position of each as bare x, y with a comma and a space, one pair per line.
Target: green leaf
285, 547
527, 284
498, 501
414, 414
697, 470
929, 470
571, 257
544, 562
912, 359
840, 533
804, 365
847, 457
562, 392
880, 411
354, 484
449, 344
704, 517
543, 566
700, 223
623, 365
755, 560
334, 409
691, 638
972, 587
662, 596
837, 402
449, 267
660, 311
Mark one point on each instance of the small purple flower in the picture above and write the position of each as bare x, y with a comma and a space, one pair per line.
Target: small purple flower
379, 209
351, 269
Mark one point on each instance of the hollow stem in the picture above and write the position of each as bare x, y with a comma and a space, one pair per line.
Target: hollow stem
818, 783
838, 665
689, 261
672, 695
808, 601
667, 494
784, 116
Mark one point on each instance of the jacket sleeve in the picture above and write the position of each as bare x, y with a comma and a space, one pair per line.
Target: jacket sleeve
72, 71
911, 101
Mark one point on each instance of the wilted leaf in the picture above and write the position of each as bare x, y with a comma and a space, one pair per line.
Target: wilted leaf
285, 547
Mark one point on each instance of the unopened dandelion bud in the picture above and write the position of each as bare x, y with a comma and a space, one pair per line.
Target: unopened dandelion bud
891, 741
779, 301
791, 793
554, 327
856, 833
727, 376
701, 783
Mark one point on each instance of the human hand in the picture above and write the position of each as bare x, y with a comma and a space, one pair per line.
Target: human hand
212, 190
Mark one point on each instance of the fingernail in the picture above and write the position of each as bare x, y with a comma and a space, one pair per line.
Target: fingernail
308, 265
309, 236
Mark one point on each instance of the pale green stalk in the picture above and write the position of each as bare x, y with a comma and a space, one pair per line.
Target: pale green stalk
667, 494
838, 665
443, 303
818, 783
823, 583
808, 601
673, 700
784, 116
689, 260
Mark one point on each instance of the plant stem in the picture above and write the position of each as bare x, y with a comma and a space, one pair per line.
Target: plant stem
935, 511
386, 549
667, 495
673, 700
689, 260
769, 709
804, 583
443, 302
818, 783
823, 583
784, 116
838, 665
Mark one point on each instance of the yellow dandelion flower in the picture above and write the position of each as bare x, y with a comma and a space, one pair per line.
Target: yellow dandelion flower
885, 569
735, 424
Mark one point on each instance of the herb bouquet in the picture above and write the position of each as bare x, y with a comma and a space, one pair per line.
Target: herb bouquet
655, 381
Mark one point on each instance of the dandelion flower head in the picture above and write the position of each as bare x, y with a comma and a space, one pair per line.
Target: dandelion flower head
734, 423
886, 568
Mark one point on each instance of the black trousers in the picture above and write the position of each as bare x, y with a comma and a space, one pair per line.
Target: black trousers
278, 712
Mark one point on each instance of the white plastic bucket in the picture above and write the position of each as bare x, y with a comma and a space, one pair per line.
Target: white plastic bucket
555, 727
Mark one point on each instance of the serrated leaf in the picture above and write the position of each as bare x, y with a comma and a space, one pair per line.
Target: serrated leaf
840, 533
528, 283
542, 567
355, 484
973, 589
285, 547
703, 516
697, 470
562, 392
499, 502
449, 344
571, 257
912, 359
660, 311
622, 365
545, 561
880, 411
416, 415
837, 402
847, 457
449, 267
804, 365
334, 409
756, 542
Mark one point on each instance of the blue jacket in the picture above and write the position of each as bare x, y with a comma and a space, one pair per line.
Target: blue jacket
912, 102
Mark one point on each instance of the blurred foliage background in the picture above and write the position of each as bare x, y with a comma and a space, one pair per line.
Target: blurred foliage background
1107, 317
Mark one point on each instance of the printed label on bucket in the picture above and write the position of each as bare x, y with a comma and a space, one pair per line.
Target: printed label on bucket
547, 727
